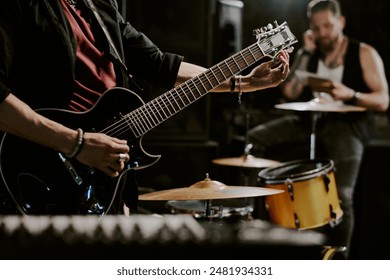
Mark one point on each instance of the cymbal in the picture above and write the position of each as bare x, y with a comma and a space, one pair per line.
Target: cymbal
245, 161
317, 106
208, 190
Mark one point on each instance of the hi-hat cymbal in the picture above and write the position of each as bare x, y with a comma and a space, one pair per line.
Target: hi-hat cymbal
209, 190
316, 106
246, 161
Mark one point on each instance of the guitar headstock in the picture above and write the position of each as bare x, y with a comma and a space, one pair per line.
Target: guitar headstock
272, 39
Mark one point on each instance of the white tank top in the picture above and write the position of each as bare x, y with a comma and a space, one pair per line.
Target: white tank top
334, 74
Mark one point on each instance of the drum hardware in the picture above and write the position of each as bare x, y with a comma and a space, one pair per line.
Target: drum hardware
317, 106
333, 221
206, 191
209, 189
245, 161
206, 209
329, 252
326, 181
296, 221
210, 211
333, 214
302, 179
290, 189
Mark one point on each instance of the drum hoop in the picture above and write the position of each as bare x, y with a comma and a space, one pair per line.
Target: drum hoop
314, 173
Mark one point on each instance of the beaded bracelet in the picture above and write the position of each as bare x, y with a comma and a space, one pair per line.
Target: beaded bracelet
79, 144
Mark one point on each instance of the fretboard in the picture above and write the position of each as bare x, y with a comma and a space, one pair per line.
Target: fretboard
156, 111
151, 114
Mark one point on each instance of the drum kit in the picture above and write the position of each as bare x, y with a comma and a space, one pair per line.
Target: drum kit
317, 106
300, 194
190, 199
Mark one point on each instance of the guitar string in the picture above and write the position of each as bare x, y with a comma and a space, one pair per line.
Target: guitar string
118, 130
180, 92
141, 110
203, 80
121, 126
168, 97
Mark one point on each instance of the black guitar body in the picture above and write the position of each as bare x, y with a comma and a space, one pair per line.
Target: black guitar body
43, 181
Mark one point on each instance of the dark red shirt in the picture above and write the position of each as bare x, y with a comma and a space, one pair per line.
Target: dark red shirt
94, 72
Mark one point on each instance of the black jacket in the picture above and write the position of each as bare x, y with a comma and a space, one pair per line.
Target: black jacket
37, 51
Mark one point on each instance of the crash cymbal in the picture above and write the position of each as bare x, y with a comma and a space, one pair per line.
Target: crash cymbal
318, 106
208, 190
246, 161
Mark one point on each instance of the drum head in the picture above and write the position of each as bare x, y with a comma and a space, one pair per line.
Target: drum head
296, 170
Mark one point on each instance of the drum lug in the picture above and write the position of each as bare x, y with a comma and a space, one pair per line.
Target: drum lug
333, 217
296, 221
290, 189
326, 181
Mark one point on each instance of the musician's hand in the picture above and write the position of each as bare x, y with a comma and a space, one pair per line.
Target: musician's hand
309, 43
108, 154
271, 73
341, 92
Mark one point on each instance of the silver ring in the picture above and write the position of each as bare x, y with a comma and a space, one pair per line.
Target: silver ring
122, 157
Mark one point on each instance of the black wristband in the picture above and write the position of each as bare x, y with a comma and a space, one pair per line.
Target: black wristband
355, 96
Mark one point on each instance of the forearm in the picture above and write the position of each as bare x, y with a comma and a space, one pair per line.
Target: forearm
376, 101
267, 74
19, 119
188, 71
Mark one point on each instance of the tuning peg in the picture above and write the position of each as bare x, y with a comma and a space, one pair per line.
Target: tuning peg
276, 23
256, 31
290, 49
269, 27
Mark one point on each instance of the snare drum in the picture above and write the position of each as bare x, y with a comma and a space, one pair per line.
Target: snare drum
310, 198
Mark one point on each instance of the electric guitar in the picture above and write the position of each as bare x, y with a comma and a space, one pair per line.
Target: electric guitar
43, 181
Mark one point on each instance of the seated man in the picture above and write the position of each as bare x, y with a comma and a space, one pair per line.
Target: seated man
356, 77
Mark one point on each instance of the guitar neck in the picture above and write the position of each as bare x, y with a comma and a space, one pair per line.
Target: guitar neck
151, 114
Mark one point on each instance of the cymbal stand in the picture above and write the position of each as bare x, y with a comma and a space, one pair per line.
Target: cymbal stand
210, 211
247, 151
248, 146
313, 138
247, 124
